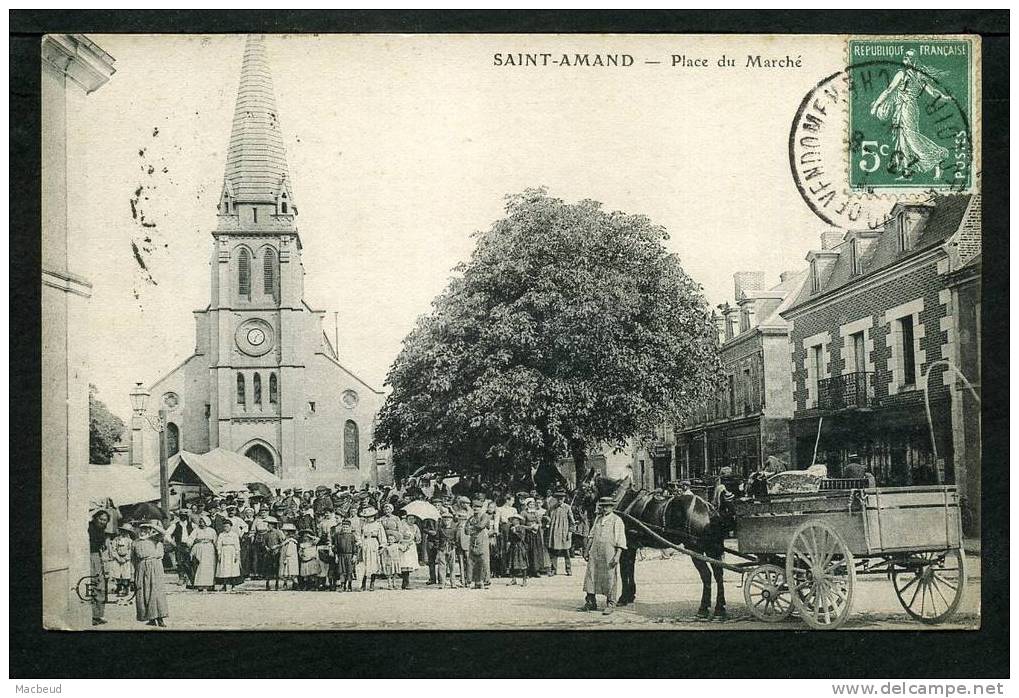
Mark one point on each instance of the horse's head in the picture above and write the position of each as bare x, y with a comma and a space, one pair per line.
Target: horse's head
594, 487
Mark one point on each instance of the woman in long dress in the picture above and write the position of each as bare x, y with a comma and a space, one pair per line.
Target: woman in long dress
228, 556
900, 101
390, 554
373, 540
147, 557
410, 536
537, 555
289, 564
203, 554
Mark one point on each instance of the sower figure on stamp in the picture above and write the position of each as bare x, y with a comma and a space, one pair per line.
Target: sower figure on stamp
605, 545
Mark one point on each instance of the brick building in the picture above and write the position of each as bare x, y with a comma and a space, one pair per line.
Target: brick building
879, 310
748, 421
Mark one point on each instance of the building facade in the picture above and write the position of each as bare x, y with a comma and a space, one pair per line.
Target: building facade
72, 67
747, 422
264, 380
880, 310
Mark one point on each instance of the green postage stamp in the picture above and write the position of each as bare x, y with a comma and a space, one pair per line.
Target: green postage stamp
911, 113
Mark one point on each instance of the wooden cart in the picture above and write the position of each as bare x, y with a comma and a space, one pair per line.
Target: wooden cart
805, 551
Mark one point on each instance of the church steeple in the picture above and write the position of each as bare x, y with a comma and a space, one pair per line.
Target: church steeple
256, 162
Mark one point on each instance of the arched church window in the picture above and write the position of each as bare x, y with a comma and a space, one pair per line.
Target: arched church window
269, 272
240, 388
283, 207
172, 439
274, 390
350, 445
244, 274
257, 390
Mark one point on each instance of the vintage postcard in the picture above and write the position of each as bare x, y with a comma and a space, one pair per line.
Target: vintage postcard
493, 331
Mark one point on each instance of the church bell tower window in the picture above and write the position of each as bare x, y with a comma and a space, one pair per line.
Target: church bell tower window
257, 388
244, 275
269, 273
240, 388
274, 391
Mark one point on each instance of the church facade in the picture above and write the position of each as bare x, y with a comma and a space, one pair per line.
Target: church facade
264, 380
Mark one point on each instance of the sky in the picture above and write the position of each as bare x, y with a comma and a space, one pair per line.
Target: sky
400, 147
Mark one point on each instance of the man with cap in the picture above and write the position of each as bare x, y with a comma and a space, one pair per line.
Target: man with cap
560, 531
269, 559
854, 470
96, 547
477, 527
444, 543
605, 545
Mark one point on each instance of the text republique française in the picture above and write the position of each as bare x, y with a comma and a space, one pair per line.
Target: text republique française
627, 60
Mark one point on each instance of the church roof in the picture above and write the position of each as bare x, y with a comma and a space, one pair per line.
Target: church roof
256, 161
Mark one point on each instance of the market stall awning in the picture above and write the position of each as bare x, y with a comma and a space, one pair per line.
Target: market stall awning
219, 470
123, 484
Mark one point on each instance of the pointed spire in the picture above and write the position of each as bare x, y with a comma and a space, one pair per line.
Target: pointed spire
256, 161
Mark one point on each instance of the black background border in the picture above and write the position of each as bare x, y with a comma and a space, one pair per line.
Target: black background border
872, 654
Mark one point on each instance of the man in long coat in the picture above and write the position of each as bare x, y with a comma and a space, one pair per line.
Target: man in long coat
560, 531
605, 544
477, 527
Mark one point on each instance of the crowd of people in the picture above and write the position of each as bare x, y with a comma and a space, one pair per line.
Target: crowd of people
343, 539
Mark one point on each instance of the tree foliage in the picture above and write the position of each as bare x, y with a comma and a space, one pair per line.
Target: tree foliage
569, 326
104, 429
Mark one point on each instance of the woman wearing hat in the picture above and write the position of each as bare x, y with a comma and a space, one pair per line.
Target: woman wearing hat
390, 554
203, 554
410, 536
537, 553
228, 556
147, 556
373, 541
516, 557
289, 562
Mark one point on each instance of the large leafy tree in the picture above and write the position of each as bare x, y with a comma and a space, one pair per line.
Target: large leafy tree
569, 326
104, 429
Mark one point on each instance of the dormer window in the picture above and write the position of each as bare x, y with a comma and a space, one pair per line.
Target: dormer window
815, 277
855, 263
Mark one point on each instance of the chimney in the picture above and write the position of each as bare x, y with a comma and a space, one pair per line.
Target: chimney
746, 282
830, 239
719, 326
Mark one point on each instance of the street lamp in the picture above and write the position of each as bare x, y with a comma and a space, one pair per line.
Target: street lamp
139, 398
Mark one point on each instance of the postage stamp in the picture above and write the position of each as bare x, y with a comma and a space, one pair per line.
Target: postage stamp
910, 113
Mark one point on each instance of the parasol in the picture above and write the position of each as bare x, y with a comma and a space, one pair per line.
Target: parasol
148, 511
422, 510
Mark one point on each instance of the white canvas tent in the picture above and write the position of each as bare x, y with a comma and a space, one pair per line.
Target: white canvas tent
219, 470
123, 484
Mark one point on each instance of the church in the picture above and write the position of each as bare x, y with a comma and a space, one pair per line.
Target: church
264, 380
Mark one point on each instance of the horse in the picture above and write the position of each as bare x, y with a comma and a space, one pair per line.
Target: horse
685, 518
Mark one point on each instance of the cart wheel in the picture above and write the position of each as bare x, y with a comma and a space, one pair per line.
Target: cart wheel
820, 572
766, 594
930, 585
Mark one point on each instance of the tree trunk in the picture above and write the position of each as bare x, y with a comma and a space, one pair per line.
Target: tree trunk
579, 453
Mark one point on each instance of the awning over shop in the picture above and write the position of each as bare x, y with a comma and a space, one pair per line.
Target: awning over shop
219, 470
123, 484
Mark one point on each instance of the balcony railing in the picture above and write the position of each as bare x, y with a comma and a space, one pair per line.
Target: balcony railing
852, 390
